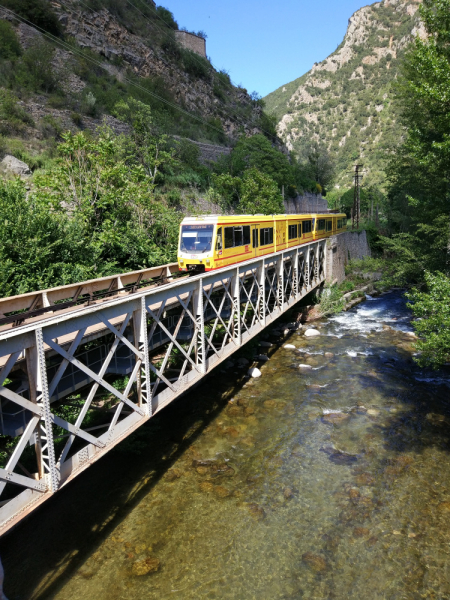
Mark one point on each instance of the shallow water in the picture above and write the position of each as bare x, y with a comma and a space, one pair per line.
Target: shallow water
323, 483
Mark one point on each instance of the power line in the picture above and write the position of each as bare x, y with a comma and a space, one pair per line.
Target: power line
99, 64
213, 68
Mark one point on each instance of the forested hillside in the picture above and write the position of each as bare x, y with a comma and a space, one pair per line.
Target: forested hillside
102, 103
347, 102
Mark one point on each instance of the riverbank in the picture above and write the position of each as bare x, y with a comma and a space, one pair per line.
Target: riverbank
301, 483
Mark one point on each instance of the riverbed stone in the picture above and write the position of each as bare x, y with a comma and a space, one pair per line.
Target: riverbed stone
265, 344
335, 418
262, 358
316, 562
360, 532
145, 566
242, 362
329, 354
303, 366
290, 347
288, 493
257, 511
312, 333
254, 372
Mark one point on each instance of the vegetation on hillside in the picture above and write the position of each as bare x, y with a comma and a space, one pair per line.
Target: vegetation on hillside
351, 109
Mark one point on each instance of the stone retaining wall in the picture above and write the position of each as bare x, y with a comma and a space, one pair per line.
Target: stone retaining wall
341, 249
307, 203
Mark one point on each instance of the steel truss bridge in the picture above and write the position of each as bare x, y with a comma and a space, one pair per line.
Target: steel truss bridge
164, 333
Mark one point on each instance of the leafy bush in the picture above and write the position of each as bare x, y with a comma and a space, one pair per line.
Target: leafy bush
38, 12
165, 15
15, 117
9, 42
36, 71
331, 301
432, 306
196, 65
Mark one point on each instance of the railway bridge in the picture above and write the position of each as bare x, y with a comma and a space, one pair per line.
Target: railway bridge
83, 366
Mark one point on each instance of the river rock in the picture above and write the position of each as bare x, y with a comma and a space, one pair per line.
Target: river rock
315, 561
289, 347
254, 372
265, 344
302, 366
312, 333
373, 412
329, 354
11, 164
262, 358
242, 362
288, 493
145, 566
360, 532
257, 511
335, 418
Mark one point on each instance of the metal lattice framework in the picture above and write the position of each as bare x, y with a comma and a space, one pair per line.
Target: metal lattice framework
222, 310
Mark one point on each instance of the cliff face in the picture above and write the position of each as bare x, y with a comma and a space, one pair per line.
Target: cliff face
346, 100
103, 34
130, 45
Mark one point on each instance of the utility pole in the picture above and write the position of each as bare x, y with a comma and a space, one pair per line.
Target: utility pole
357, 197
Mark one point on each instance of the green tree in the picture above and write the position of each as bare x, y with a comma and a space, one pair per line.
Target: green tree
433, 309
9, 42
37, 12
259, 194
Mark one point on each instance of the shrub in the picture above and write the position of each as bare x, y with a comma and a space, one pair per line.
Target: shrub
36, 70
38, 12
165, 15
9, 42
195, 65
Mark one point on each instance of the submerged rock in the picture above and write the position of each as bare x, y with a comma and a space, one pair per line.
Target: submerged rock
315, 561
262, 358
145, 566
338, 457
361, 532
289, 347
303, 366
288, 493
265, 344
335, 418
257, 512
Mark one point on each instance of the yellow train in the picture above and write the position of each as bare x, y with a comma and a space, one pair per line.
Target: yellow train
211, 242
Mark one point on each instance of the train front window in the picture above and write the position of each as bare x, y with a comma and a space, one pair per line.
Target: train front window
196, 238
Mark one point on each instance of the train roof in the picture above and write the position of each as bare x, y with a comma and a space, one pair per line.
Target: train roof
252, 218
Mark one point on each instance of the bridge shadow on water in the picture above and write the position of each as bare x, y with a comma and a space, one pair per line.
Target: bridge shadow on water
45, 551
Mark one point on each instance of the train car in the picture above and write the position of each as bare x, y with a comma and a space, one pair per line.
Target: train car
210, 242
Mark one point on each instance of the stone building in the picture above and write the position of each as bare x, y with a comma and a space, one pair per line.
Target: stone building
193, 42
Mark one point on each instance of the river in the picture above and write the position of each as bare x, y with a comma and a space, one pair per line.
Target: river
330, 481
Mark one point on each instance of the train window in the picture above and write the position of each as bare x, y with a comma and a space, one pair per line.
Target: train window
219, 239
320, 224
229, 238
238, 237
329, 225
307, 227
299, 230
255, 238
266, 236
246, 235
292, 232
196, 238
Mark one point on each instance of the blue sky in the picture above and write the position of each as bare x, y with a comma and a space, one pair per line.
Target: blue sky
266, 44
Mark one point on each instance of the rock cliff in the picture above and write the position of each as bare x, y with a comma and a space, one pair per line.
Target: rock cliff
346, 100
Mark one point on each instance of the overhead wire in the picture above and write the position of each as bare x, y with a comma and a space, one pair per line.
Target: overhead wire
212, 70
70, 48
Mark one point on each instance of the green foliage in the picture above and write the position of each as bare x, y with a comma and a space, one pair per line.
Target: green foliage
38, 12
36, 71
432, 307
9, 42
259, 194
165, 15
331, 301
15, 118
195, 65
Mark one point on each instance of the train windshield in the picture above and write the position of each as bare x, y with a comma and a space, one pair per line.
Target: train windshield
196, 238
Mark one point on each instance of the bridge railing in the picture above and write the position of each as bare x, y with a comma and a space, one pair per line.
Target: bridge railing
59, 439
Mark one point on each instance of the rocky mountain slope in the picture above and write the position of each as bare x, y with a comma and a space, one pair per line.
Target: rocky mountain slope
103, 52
346, 101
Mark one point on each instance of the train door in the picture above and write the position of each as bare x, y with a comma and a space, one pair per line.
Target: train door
255, 239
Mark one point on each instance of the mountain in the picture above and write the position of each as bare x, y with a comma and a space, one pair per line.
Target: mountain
346, 101
68, 63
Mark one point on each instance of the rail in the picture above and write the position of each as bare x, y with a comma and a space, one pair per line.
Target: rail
222, 309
